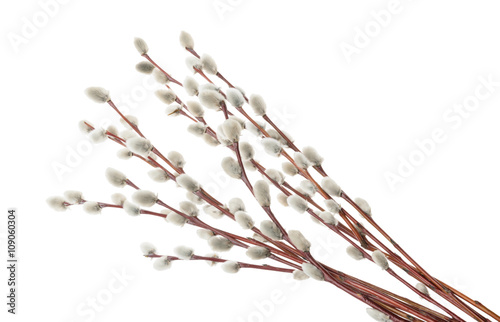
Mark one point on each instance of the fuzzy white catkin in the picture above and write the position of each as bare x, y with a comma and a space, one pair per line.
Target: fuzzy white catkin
308, 187
131, 209
312, 271
188, 208
282, 199
140, 145
422, 288
73, 196
197, 129
158, 175
84, 128
354, 253
184, 252
234, 97
188, 183
289, 169
288, 136
258, 252
270, 229
272, 146
332, 206
118, 198
220, 244
116, 178
211, 99
301, 160
176, 219
231, 267
98, 94
249, 166
112, 129
144, 67
231, 167
128, 134
331, 187
195, 108
166, 211
186, 40
145, 198
262, 193
313, 156
235, 204
258, 105
246, 150
274, 134
57, 203
98, 136
210, 140
239, 120
259, 238
173, 110
162, 263
328, 218
253, 129
276, 175
208, 64
92, 207
194, 198
141, 45
190, 86
232, 130
212, 211
167, 96
176, 158
124, 154
299, 275
299, 241
160, 77
205, 233
240, 89
147, 248
132, 119
380, 259
377, 315
297, 203
221, 136
363, 204
209, 87
244, 220
193, 63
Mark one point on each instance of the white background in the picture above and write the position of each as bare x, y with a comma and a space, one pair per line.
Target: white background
363, 116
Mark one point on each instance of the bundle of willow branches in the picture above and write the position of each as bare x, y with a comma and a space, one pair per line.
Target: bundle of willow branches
288, 250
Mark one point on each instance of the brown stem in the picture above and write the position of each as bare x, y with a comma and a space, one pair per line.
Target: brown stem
135, 128
473, 302
199, 71
245, 265
425, 296
161, 156
170, 78
244, 176
288, 141
191, 50
359, 237
224, 80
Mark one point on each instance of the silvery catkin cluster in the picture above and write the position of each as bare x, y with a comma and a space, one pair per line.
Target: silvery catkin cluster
285, 251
